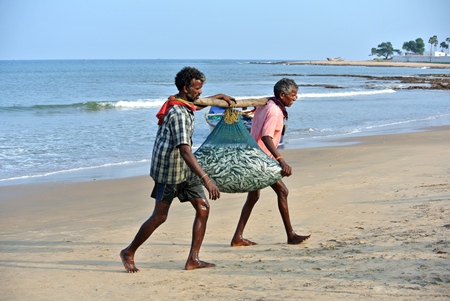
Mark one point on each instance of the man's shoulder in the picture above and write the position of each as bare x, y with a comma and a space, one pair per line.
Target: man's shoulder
270, 108
179, 110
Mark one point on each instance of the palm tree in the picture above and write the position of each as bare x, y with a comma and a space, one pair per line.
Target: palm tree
448, 43
433, 41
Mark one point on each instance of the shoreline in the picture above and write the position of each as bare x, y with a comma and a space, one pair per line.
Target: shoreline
370, 63
377, 210
138, 169
111, 173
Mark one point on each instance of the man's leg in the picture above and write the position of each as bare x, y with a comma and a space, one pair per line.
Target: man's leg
238, 240
201, 207
282, 194
158, 217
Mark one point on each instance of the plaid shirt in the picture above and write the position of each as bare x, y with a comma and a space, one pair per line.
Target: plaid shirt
168, 167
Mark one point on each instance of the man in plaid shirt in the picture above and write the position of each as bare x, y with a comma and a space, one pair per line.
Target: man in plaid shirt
176, 171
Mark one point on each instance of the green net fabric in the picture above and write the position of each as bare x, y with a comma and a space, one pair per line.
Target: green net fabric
233, 159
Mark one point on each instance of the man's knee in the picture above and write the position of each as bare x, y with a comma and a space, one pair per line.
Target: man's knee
204, 206
284, 192
160, 213
201, 206
281, 190
160, 218
253, 196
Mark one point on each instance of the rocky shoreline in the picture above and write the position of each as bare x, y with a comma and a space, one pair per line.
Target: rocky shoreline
371, 63
423, 81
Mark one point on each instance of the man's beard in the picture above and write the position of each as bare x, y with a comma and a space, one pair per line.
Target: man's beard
190, 98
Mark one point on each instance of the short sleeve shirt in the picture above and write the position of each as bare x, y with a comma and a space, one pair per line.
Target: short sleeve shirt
268, 120
168, 166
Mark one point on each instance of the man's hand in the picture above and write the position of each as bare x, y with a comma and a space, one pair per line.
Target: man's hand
286, 170
230, 100
213, 190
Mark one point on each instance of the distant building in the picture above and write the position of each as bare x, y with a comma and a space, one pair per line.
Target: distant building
435, 57
440, 53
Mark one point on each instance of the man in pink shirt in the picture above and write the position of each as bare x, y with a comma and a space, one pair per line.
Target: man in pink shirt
267, 127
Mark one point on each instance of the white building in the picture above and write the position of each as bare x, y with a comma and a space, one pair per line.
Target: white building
435, 57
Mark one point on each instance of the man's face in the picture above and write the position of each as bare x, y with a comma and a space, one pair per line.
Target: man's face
195, 90
288, 99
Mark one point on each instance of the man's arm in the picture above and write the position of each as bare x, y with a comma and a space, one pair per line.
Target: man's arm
268, 142
192, 163
225, 97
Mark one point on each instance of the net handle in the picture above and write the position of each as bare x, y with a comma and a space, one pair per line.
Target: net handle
231, 115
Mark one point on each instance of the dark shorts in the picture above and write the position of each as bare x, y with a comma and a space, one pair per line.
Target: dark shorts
187, 190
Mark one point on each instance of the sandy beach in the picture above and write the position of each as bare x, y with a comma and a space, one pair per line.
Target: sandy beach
378, 211
374, 63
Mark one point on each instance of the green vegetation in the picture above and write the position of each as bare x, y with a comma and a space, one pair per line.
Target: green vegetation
444, 46
416, 47
433, 41
386, 50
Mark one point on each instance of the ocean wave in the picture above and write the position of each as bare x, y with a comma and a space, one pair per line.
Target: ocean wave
91, 105
67, 171
429, 118
299, 132
139, 104
156, 103
322, 134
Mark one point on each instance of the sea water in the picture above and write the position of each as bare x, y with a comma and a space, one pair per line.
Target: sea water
87, 119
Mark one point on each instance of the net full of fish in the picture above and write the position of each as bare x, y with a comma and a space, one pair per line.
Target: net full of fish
233, 159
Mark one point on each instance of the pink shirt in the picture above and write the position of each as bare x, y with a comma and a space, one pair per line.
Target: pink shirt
268, 120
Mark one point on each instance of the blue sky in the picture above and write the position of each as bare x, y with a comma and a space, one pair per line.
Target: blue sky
214, 29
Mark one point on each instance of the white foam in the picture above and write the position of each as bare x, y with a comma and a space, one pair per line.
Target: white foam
139, 104
71, 170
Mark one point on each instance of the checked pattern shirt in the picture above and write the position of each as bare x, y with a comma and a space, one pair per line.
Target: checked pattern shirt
168, 167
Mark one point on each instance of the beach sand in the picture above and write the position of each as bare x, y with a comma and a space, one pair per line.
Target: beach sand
378, 211
374, 63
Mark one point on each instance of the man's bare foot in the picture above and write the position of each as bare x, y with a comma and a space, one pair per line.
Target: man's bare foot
297, 239
242, 242
191, 265
128, 262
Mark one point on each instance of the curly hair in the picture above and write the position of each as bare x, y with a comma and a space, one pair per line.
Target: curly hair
285, 85
185, 76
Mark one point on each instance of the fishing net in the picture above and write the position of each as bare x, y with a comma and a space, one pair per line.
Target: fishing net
233, 159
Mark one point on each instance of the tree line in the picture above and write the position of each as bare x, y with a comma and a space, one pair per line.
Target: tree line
386, 49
